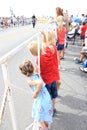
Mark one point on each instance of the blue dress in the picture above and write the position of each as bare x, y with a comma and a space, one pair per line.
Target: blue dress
42, 106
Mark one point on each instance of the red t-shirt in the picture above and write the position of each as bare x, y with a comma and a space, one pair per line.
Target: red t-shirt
49, 66
55, 64
83, 30
46, 66
61, 36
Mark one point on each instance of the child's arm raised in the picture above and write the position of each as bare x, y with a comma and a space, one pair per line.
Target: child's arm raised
38, 85
43, 37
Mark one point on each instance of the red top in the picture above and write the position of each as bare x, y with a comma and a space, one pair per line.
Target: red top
61, 36
55, 64
83, 30
49, 66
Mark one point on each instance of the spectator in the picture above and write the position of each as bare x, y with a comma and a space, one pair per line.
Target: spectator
50, 42
83, 52
61, 34
42, 106
33, 20
82, 33
60, 12
46, 69
86, 18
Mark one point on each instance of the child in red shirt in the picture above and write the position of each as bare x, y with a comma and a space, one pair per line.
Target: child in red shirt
48, 70
61, 35
82, 34
48, 39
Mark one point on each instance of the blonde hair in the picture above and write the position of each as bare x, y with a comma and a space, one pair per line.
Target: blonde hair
60, 20
50, 37
26, 68
33, 48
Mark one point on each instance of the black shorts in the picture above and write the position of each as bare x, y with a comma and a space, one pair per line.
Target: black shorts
52, 89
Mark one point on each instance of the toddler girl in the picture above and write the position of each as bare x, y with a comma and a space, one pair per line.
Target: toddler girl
42, 106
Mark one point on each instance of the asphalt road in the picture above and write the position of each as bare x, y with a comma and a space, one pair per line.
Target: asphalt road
12, 37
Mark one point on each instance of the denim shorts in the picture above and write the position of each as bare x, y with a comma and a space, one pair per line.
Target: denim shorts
82, 37
60, 47
52, 89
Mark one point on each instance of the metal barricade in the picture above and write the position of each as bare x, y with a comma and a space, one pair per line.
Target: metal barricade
33, 126
7, 96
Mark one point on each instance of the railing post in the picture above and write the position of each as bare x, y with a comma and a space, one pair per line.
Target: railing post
39, 44
7, 96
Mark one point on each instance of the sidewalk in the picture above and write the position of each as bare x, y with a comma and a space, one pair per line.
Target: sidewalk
72, 102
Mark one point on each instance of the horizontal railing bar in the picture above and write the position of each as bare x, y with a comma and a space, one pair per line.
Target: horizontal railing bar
5, 57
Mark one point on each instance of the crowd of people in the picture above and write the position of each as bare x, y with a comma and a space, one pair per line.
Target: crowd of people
14, 21
83, 54
82, 59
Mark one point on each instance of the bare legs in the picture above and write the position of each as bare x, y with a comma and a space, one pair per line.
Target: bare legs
43, 126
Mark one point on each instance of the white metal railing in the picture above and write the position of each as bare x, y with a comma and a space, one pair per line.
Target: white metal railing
4, 65
33, 126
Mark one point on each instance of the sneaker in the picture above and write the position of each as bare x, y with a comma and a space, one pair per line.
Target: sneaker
61, 58
83, 69
78, 61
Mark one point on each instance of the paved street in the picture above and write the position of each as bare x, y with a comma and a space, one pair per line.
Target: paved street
72, 102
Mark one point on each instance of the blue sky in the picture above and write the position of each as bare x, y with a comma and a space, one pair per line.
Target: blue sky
41, 7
